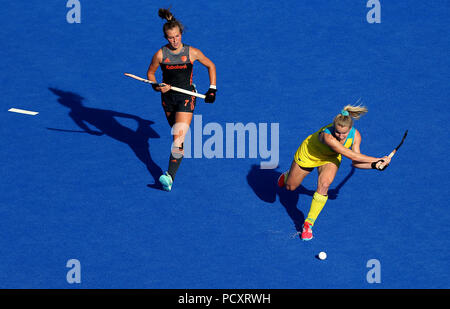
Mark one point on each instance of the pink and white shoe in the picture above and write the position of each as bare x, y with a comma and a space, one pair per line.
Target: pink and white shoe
307, 231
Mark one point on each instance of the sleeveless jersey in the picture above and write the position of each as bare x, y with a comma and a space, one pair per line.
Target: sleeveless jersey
177, 69
329, 129
312, 152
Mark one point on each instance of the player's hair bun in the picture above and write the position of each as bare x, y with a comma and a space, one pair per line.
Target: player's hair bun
166, 14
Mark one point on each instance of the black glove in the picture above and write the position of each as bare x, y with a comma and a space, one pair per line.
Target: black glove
383, 168
154, 85
210, 95
374, 165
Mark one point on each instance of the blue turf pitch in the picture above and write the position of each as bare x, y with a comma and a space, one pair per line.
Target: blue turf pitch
77, 180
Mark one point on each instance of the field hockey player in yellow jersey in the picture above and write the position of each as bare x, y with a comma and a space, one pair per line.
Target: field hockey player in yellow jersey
324, 150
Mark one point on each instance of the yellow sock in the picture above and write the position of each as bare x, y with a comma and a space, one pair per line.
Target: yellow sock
317, 204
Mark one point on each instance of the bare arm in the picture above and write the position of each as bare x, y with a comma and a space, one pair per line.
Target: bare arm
364, 165
353, 155
156, 61
196, 54
356, 148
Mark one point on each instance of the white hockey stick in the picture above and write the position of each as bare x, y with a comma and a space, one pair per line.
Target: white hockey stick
202, 96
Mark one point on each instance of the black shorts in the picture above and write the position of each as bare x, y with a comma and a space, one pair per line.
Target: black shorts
174, 102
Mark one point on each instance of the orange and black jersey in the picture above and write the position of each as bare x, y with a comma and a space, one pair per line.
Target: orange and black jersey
177, 69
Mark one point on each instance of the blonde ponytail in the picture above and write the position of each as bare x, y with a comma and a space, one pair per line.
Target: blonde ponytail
355, 111
348, 113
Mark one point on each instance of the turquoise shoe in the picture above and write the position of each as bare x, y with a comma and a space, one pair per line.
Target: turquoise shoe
166, 181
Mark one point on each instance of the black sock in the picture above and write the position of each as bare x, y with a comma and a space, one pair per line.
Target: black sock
174, 162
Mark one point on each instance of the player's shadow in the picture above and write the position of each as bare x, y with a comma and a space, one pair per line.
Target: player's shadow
106, 124
264, 184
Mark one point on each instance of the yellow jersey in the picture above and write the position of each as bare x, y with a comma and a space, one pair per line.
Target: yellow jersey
312, 152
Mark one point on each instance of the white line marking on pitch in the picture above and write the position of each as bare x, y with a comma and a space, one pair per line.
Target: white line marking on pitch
22, 111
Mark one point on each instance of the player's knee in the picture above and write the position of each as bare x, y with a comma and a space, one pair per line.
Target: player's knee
323, 185
290, 187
